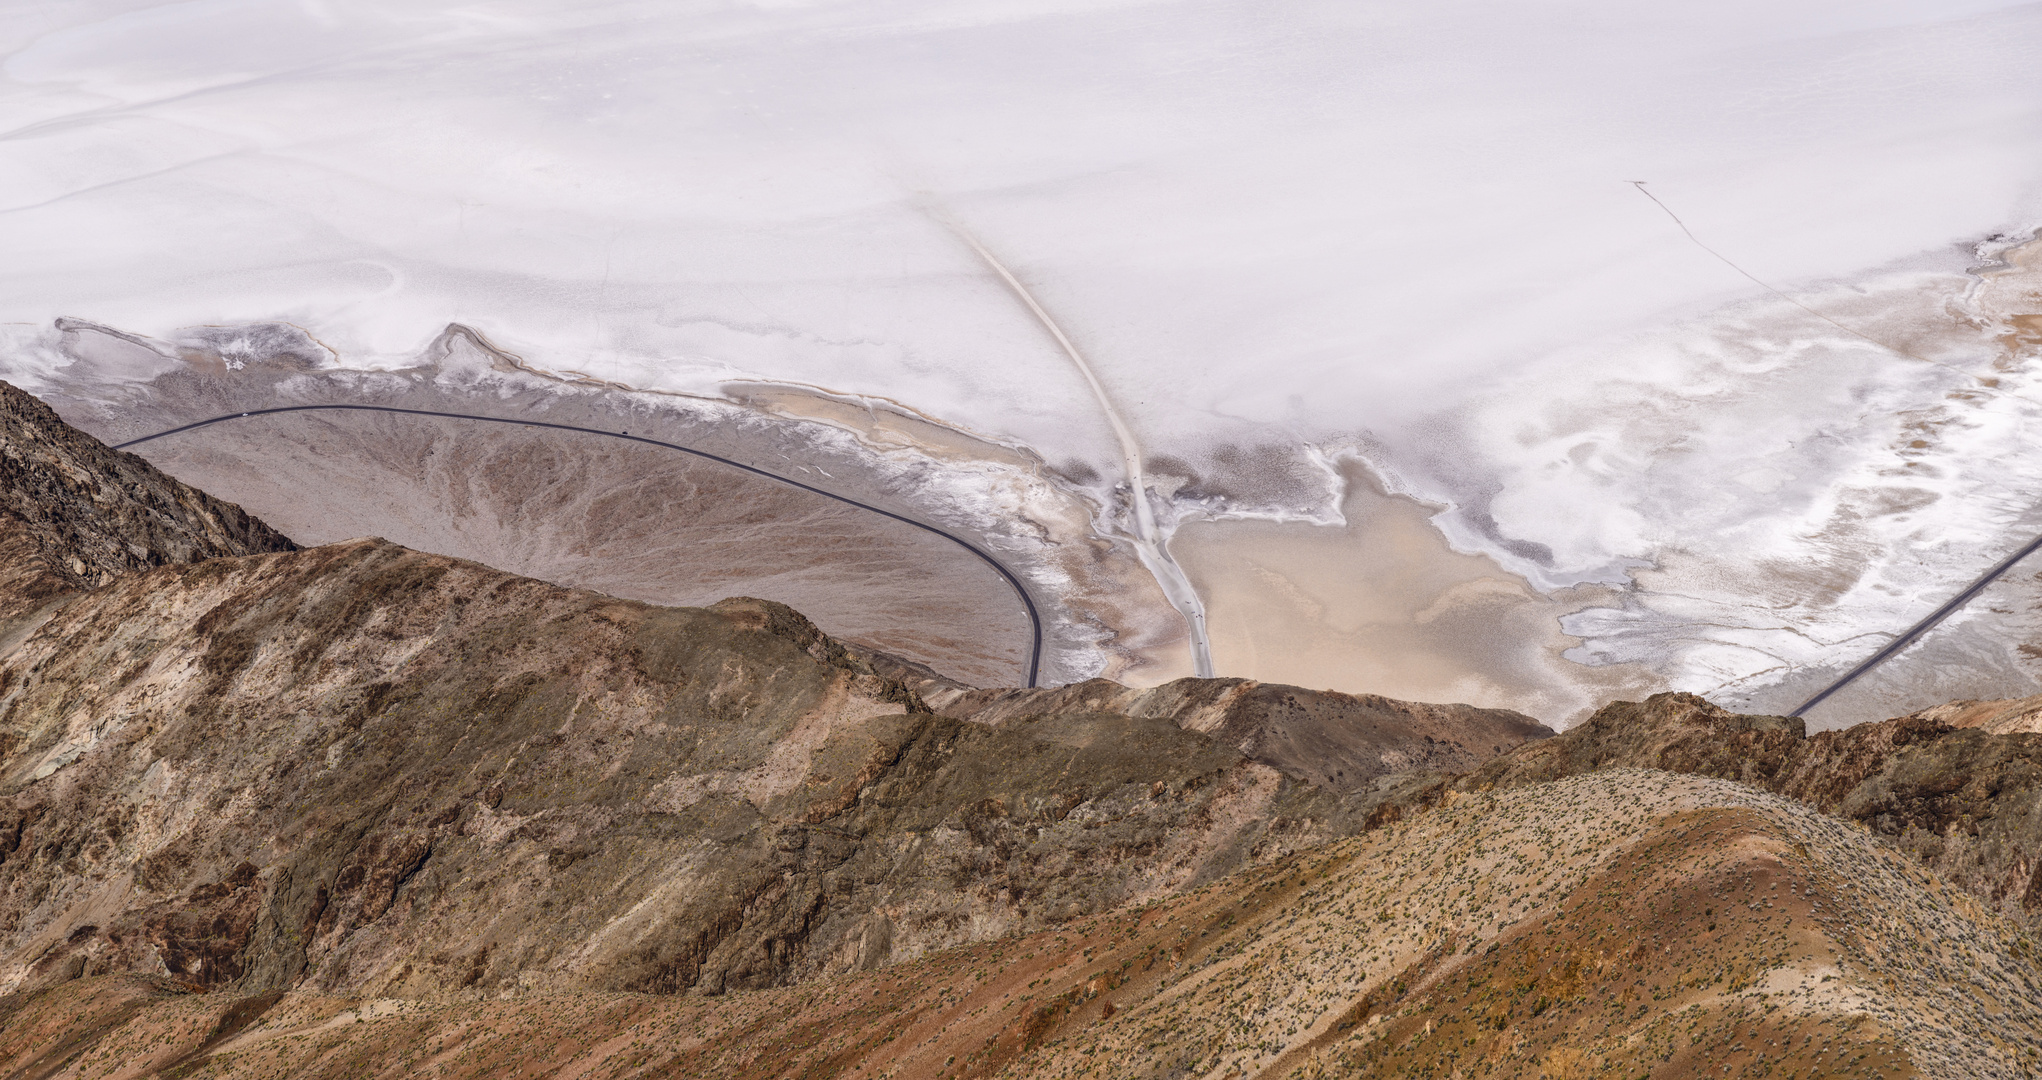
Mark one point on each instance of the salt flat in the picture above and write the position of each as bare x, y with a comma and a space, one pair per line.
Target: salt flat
1285, 238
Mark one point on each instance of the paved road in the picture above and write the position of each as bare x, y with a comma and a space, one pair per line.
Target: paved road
1028, 602
1908, 636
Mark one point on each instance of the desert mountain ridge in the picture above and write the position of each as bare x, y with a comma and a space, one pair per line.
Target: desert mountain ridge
357, 810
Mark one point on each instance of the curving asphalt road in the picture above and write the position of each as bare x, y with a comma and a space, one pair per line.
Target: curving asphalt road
1028, 602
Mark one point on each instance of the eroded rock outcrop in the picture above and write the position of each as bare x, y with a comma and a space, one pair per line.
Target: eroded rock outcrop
74, 512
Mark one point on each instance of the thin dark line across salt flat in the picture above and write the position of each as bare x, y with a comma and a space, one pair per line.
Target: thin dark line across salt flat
1027, 602
1908, 636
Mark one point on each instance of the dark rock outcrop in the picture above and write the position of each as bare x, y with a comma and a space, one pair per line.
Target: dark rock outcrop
74, 512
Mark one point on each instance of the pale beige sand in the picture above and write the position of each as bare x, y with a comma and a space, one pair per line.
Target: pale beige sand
625, 519
1383, 606
877, 422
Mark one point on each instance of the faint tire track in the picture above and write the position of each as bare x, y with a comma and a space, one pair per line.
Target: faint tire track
1150, 546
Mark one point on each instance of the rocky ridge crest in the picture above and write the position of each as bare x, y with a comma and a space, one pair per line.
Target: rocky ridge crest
1964, 801
361, 768
74, 513
1335, 741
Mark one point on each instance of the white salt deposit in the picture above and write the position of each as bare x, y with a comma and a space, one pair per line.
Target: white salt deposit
1279, 232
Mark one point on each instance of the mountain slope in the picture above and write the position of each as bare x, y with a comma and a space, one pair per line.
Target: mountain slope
393, 772
74, 513
364, 811
369, 769
1622, 924
1964, 801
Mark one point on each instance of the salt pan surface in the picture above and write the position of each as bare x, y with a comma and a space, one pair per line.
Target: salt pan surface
1280, 233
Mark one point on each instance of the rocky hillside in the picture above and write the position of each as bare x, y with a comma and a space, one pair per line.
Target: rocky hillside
360, 810
74, 513
1622, 924
2004, 717
1339, 742
1965, 801
365, 768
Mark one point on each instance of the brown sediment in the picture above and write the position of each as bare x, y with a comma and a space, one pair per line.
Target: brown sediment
1102, 613
1384, 605
1139, 636
877, 422
2010, 296
1142, 638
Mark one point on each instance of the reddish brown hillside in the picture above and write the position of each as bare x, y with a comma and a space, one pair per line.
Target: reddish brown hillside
1965, 801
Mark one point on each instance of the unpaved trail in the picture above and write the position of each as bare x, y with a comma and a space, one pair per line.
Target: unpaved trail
1149, 544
